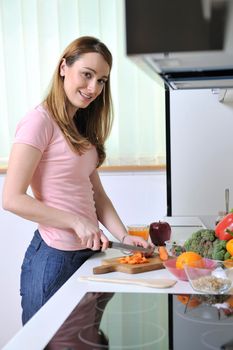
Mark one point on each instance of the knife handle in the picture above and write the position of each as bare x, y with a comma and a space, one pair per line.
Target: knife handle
103, 269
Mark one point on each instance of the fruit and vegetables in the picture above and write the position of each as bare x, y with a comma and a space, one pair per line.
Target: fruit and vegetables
214, 244
222, 303
207, 244
175, 248
229, 246
159, 232
189, 258
219, 250
135, 258
189, 300
224, 229
163, 254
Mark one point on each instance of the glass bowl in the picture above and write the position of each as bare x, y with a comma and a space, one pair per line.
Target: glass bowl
170, 265
181, 274
213, 278
175, 247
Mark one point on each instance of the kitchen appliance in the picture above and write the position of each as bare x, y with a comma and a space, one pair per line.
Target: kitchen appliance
199, 148
146, 321
189, 44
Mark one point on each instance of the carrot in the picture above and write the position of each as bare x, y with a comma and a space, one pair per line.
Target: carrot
136, 258
163, 254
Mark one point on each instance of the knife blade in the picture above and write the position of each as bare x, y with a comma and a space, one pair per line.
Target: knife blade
123, 246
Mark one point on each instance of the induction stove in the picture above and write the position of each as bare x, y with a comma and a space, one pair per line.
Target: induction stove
147, 321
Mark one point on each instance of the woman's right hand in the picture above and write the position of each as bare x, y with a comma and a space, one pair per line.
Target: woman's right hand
139, 241
90, 235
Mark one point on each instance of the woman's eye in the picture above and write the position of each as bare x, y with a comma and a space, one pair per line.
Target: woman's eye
87, 75
102, 81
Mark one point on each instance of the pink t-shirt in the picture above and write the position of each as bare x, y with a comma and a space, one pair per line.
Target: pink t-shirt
62, 178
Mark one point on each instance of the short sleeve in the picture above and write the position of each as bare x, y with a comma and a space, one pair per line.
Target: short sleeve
35, 129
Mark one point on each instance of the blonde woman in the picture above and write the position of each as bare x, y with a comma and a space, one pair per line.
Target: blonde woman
57, 149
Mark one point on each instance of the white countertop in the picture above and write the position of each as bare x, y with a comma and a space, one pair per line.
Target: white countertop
39, 330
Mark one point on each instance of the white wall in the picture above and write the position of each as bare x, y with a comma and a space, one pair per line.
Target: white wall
138, 198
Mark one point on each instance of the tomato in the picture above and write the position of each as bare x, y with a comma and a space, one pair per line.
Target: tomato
229, 246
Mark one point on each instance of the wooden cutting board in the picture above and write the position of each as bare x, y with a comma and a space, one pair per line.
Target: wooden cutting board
111, 265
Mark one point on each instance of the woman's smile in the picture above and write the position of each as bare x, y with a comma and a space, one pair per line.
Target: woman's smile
85, 96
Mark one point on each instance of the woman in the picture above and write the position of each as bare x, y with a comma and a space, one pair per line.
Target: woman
57, 149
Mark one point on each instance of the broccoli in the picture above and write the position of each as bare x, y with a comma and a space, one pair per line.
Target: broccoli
227, 256
201, 242
205, 243
219, 249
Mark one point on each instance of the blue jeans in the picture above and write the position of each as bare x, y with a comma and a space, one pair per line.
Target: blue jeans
44, 271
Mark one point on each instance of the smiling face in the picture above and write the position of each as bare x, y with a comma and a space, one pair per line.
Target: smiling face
84, 80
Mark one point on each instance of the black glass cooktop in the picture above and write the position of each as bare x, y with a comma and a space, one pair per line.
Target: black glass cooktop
147, 322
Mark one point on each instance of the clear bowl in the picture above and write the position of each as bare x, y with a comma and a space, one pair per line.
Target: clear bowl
170, 265
175, 247
181, 274
213, 278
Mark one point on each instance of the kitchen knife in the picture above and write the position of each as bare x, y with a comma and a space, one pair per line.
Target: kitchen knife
123, 246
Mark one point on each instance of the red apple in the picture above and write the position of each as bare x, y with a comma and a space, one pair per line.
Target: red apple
160, 232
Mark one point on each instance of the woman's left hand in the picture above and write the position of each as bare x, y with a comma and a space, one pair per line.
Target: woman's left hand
138, 241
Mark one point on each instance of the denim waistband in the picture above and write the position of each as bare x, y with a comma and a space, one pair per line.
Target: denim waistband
36, 240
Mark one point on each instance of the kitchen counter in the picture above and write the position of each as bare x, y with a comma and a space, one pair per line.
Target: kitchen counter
39, 330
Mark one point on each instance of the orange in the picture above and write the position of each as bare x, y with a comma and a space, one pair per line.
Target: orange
189, 258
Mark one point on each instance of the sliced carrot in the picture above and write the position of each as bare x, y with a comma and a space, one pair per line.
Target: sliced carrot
163, 254
136, 258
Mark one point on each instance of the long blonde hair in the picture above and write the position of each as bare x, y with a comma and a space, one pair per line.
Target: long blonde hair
89, 125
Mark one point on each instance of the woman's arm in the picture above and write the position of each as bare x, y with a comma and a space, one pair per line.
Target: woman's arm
22, 163
106, 212
108, 216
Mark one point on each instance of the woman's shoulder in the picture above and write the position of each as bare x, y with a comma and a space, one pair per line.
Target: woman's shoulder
36, 118
36, 128
38, 114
